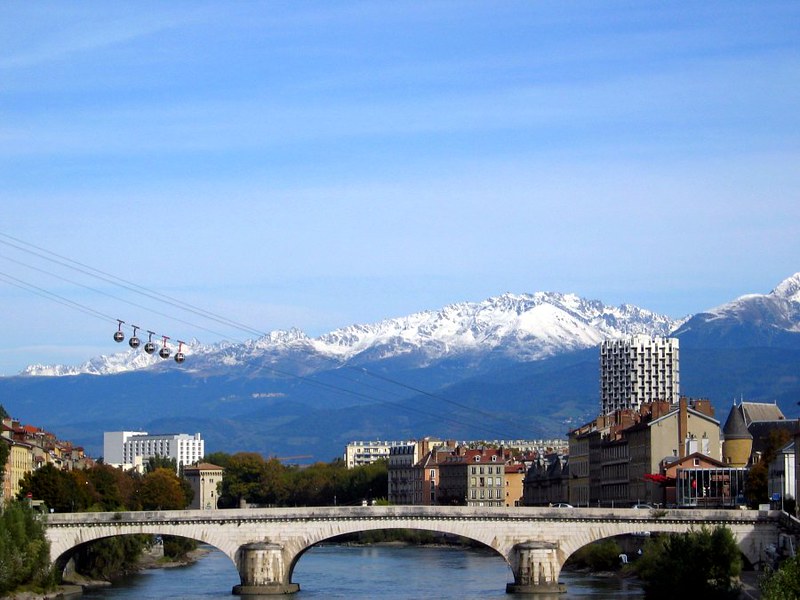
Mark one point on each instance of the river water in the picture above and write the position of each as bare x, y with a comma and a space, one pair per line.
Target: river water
365, 572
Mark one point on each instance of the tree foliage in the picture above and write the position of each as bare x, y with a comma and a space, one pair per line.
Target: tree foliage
783, 584
160, 462
600, 556
251, 478
109, 557
162, 490
756, 488
24, 550
5, 450
63, 491
707, 562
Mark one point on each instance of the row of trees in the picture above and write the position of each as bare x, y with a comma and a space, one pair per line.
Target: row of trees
248, 477
104, 488
251, 478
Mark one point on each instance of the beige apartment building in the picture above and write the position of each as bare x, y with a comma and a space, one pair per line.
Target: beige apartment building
20, 462
473, 478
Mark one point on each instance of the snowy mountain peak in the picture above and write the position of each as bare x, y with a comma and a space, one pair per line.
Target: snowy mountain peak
789, 288
521, 326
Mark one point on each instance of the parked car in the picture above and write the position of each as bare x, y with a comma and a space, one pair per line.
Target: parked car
643, 506
563, 505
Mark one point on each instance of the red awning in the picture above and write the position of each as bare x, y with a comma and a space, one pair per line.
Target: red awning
658, 478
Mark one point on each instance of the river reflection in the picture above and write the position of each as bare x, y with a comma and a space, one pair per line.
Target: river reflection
362, 572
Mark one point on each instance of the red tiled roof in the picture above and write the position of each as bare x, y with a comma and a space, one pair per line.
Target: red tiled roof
203, 467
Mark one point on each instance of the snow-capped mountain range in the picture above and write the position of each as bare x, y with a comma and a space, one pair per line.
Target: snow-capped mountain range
529, 360
525, 327
755, 319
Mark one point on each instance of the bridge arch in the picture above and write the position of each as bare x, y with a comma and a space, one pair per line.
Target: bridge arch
62, 560
304, 544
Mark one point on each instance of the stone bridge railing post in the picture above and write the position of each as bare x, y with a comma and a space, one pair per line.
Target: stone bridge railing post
262, 570
536, 567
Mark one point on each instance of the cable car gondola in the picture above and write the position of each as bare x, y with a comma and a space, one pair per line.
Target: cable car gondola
118, 335
179, 355
164, 352
134, 341
150, 347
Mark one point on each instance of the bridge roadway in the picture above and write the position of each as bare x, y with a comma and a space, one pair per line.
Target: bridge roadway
265, 544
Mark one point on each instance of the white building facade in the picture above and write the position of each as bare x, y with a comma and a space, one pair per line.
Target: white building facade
135, 447
114, 443
358, 454
638, 370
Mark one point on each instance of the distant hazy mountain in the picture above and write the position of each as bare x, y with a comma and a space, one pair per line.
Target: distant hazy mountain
513, 366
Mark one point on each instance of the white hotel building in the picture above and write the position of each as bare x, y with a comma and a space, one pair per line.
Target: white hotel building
130, 449
637, 370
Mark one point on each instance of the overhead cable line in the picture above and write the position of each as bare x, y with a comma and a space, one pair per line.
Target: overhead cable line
130, 286
109, 295
53, 296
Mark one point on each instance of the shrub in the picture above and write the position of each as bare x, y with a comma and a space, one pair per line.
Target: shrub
783, 584
600, 556
707, 562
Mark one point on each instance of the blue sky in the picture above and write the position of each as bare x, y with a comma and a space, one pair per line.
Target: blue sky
319, 164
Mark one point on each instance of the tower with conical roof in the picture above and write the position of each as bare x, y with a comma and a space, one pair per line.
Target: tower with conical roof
737, 444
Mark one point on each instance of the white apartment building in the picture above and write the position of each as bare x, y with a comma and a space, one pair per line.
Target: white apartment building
358, 454
638, 370
113, 444
132, 447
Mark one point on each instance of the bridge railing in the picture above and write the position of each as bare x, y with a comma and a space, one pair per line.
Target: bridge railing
424, 512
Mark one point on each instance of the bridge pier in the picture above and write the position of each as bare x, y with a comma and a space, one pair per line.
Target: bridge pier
262, 571
536, 568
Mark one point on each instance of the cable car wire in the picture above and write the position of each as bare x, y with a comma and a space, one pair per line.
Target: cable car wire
109, 295
130, 286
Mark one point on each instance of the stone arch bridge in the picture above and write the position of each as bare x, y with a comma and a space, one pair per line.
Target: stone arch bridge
265, 544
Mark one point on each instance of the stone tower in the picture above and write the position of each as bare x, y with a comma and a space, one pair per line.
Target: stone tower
737, 444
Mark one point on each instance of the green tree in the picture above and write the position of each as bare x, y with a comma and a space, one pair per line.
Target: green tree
707, 562
110, 488
756, 488
600, 556
58, 489
243, 479
220, 459
5, 450
783, 584
162, 490
24, 550
176, 547
160, 462
109, 557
